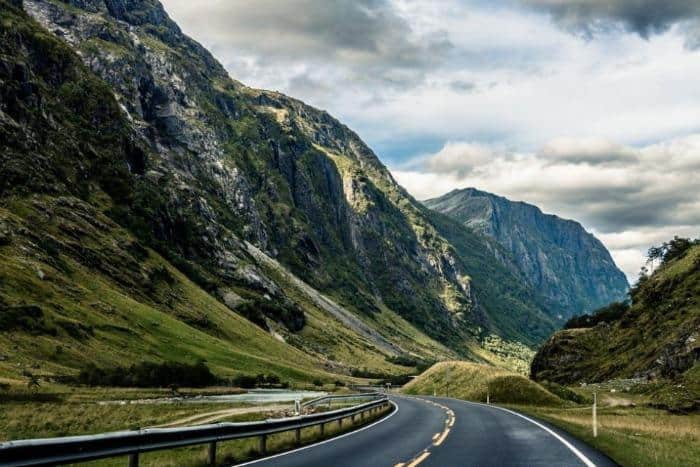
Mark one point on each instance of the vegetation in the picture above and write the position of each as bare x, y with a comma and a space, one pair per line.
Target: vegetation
258, 381
472, 381
632, 436
149, 374
606, 314
651, 340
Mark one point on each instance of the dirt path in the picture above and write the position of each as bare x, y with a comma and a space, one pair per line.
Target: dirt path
209, 417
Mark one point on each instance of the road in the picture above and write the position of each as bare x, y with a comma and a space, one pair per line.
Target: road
441, 432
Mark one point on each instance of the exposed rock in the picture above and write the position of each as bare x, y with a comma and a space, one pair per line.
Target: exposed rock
566, 264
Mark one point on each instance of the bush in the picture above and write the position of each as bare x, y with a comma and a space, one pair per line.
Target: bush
260, 380
607, 314
244, 381
515, 389
149, 374
565, 393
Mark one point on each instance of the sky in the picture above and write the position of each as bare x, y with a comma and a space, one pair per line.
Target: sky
589, 109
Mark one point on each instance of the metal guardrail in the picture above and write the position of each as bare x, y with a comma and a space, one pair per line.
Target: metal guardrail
53, 451
329, 399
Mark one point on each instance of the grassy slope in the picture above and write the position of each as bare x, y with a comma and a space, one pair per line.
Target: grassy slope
104, 298
471, 381
111, 317
657, 329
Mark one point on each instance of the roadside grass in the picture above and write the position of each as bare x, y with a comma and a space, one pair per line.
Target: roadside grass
632, 436
45, 419
236, 451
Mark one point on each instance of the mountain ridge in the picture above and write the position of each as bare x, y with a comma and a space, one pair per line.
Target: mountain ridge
571, 267
252, 201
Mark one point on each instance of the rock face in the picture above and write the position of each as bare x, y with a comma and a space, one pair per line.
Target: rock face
566, 264
657, 337
199, 166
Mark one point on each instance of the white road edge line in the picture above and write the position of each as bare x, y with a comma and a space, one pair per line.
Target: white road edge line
571, 447
335, 438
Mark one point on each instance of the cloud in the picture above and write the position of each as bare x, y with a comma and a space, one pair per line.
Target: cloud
369, 39
461, 158
631, 197
643, 17
594, 151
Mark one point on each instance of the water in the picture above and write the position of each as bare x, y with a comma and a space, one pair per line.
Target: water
254, 396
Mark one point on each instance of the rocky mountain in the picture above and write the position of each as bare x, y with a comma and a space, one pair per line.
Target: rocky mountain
151, 207
557, 257
655, 340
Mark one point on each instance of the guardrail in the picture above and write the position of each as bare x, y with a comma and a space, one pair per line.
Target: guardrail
330, 399
71, 449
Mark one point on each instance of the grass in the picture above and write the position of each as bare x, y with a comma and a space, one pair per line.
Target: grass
638, 436
174, 321
472, 381
229, 452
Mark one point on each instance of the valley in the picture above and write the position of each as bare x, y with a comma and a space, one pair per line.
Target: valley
168, 232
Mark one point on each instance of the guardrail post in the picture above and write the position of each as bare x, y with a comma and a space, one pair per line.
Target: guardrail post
322, 428
340, 423
212, 453
263, 445
134, 459
297, 436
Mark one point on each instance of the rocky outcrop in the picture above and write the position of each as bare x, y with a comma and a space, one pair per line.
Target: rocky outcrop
567, 265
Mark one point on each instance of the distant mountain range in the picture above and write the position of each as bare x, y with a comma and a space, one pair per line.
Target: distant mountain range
557, 257
153, 208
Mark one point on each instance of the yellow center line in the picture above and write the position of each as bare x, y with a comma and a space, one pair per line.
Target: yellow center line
442, 438
419, 459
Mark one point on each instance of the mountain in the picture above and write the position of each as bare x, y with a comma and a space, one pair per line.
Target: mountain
655, 339
153, 208
557, 257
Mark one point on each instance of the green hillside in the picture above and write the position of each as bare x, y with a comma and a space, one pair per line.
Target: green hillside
654, 342
473, 382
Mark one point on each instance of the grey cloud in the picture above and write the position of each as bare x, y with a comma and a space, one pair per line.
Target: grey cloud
643, 17
593, 152
462, 86
608, 186
367, 37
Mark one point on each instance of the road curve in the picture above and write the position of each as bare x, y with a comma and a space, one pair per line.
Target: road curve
441, 432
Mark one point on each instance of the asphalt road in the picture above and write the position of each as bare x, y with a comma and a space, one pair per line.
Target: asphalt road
440, 432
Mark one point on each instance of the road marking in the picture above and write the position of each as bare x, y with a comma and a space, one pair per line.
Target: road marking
419, 459
436, 436
442, 438
330, 440
571, 447
400, 464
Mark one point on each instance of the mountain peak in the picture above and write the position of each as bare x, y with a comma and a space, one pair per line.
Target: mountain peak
557, 256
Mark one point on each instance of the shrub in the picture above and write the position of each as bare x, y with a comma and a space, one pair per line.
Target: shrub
607, 314
149, 374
